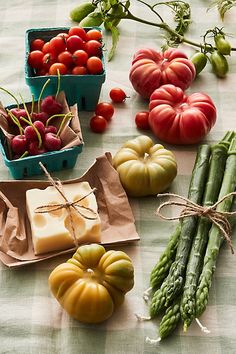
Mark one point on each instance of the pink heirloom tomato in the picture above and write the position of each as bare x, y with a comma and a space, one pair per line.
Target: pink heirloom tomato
180, 119
151, 69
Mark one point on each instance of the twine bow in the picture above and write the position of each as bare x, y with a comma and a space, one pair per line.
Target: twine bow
68, 205
219, 218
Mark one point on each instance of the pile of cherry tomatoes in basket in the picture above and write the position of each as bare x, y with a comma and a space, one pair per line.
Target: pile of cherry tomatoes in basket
74, 52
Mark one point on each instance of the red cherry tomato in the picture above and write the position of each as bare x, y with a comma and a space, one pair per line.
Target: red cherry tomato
35, 59
58, 66
80, 57
74, 43
117, 95
46, 48
57, 44
78, 31
94, 65
98, 124
37, 44
79, 70
105, 110
94, 34
65, 58
48, 60
141, 120
64, 35
93, 48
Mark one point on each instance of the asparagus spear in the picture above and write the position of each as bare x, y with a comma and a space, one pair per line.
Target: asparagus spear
161, 269
170, 320
195, 262
215, 236
174, 281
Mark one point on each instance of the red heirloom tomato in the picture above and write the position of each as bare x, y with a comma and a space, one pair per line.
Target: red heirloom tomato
180, 119
151, 69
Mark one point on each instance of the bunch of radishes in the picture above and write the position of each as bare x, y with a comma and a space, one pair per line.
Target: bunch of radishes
76, 52
36, 131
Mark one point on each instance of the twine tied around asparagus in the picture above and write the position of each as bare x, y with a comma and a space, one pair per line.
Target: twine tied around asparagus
218, 218
68, 205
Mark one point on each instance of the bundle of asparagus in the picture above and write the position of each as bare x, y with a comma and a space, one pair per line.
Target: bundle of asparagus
182, 277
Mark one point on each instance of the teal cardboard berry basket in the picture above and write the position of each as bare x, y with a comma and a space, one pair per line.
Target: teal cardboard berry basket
81, 89
29, 166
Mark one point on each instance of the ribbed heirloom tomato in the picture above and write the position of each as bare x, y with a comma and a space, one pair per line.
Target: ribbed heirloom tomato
151, 69
180, 119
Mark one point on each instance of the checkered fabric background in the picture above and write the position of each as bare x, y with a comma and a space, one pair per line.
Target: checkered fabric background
31, 321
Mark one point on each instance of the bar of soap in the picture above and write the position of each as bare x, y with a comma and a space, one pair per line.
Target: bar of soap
54, 230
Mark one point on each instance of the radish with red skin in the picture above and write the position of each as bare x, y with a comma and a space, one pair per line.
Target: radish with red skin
42, 116
51, 106
34, 149
19, 144
51, 129
52, 142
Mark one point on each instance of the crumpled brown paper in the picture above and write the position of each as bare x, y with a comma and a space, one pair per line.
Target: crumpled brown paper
117, 219
70, 135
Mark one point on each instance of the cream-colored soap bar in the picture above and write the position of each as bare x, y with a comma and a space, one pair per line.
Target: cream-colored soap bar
54, 230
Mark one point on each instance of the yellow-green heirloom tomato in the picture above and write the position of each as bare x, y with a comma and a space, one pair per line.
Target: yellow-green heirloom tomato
81, 11
144, 168
93, 19
93, 283
219, 64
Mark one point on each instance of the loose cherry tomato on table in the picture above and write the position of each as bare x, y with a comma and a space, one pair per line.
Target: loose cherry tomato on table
105, 110
141, 120
98, 124
58, 66
35, 59
117, 95
94, 65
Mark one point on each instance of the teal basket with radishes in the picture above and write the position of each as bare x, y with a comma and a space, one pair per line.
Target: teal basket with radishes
76, 53
46, 131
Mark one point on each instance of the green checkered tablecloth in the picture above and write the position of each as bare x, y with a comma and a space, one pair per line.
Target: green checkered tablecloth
31, 321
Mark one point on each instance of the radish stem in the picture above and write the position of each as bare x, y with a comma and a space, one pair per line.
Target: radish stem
69, 114
58, 83
41, 93
11, 94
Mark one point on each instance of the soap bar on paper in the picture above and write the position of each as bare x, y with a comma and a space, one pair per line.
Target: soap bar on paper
53, 230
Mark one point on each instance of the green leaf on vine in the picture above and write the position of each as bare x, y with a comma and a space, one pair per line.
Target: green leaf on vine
115, 38
223, 6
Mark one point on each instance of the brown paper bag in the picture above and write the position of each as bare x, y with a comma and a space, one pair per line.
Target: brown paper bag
117, 219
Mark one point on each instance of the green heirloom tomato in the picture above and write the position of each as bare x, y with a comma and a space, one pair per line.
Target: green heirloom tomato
223, 46
93, 19
144, 168
199, 60
219, 64
81, 11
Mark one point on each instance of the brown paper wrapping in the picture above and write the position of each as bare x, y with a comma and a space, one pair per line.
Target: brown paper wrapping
117, 219
70, 135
